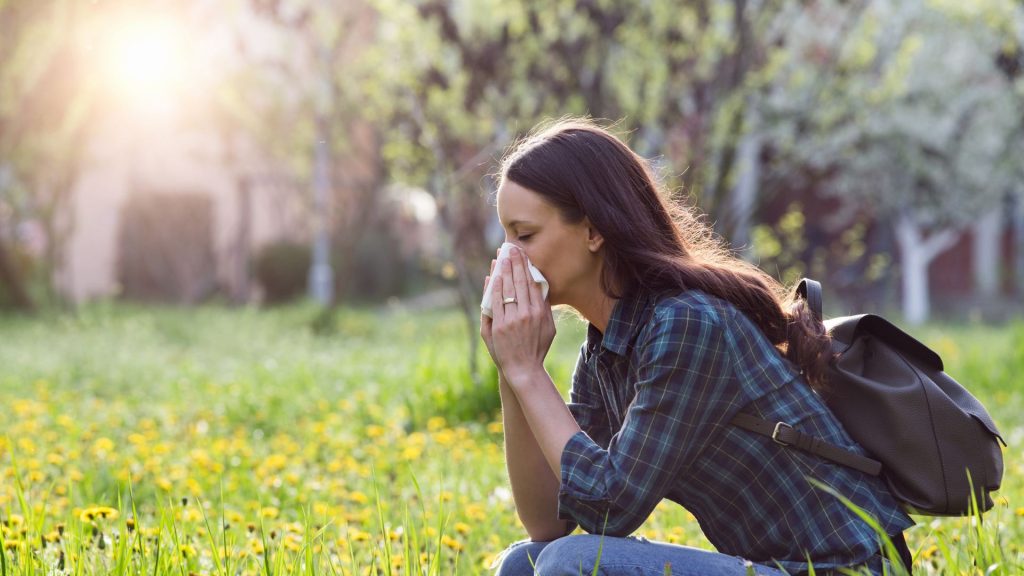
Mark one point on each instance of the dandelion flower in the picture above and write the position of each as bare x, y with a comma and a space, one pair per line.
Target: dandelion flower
451, 543
101, 512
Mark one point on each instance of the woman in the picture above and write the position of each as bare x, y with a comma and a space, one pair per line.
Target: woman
682, 336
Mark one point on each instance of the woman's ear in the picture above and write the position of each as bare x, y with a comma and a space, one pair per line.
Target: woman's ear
594, 238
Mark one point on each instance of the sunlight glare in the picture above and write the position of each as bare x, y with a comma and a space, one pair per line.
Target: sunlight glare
146, 62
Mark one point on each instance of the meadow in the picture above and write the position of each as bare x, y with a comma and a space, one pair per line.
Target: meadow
216, 441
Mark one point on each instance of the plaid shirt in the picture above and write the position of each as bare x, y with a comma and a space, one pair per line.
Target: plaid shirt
654, 397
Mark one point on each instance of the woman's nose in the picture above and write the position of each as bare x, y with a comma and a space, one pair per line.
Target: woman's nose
509, 240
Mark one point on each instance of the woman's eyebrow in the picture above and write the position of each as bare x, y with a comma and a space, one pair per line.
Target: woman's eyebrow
515, 223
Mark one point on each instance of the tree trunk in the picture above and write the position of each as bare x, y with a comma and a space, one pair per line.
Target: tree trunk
243, 242
916, 255
450, 210
13, 281
1018, 243
987, 231
744, 194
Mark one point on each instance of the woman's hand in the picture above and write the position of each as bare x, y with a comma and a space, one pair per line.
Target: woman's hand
487, 321
521, 331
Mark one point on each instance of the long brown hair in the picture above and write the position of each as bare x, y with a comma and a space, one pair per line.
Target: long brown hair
652, 245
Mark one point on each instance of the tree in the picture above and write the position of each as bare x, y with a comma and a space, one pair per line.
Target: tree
294, 97
46, 106
870, 114
456, 81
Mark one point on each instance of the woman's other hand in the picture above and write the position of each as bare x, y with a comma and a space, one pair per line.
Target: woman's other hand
487, 321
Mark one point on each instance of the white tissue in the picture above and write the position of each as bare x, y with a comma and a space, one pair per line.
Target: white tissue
485, 304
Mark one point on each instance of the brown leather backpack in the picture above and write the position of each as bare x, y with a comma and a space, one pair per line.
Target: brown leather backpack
924, 432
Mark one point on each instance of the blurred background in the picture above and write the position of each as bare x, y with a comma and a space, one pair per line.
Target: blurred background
243, 152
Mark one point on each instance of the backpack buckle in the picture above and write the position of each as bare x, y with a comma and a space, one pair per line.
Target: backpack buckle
778, 432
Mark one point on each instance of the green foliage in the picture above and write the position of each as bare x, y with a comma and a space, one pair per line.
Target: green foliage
859, 101
848, 269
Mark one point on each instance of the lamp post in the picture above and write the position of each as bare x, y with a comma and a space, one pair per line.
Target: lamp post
321, 275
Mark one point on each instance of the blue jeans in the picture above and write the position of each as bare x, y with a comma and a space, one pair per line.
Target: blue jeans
577, 554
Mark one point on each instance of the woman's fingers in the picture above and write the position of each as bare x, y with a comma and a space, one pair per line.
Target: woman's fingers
536, 293
508, 288
520, 278
484, 319
497, 294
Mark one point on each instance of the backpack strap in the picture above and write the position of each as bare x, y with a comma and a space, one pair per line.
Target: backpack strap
810, 290
900, 543
790, 437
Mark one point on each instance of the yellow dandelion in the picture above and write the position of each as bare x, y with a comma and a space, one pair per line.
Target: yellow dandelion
462, 528
187, 551
15, 520
444, 437
191, 515
496, 427
1019, 511
98, 512
358, 497
436, 423
52, 537
476, 512
103, 446
320, 509
293, 542
269, 512
451, 543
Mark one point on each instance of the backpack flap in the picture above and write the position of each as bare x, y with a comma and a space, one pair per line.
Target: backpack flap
891, 395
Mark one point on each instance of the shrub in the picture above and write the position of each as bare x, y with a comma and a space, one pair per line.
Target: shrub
282, 268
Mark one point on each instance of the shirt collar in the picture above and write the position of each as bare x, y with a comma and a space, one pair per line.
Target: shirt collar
625, 322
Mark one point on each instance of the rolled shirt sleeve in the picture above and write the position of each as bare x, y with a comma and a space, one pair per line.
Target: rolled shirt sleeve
684, 393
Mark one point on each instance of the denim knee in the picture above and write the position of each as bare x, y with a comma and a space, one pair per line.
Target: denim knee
568, 555
519, 558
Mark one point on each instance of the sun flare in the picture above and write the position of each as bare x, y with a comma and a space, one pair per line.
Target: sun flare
146, 62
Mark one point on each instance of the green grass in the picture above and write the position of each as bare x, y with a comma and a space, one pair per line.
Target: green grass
278, 442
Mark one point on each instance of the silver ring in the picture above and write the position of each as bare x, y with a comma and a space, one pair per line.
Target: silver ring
509, 300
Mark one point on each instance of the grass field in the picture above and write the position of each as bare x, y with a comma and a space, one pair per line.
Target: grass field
213, 441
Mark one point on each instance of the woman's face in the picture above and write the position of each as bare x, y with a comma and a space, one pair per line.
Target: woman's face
566, 254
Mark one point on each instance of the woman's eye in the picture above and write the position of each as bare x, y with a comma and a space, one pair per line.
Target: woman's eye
524, 237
